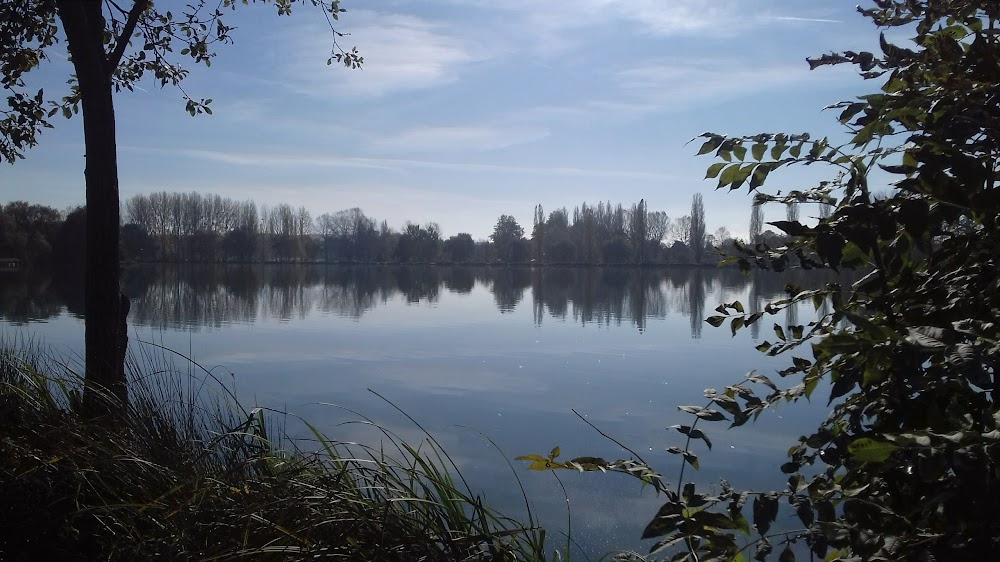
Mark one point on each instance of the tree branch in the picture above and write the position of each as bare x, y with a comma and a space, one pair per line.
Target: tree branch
121, 43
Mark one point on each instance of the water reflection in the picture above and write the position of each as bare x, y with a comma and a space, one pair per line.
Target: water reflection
28, 298
514, 384
192, 297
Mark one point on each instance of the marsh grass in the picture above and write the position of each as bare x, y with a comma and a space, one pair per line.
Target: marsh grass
186, 473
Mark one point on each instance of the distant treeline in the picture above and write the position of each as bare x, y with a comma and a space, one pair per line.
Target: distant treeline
191, 227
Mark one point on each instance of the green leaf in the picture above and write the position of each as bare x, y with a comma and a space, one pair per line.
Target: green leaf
715, 321
703, 413
742, 524
714, 169
691, 459
736, 324
540, 463
531, 457
711, 144
729, 174
810, 386
757, 151
869, 450
761, 379
693, 433
740, 152
777, 150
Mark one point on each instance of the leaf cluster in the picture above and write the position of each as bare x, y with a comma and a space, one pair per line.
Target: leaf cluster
907, 464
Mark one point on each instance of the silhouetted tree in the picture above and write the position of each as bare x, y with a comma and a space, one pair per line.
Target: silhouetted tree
538, 235
460, 247
506, 235
696, 236
638, 231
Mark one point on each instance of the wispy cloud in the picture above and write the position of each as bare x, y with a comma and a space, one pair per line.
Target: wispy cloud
555, 27
461, 138
816, 20
657, 16
665, 82
401, 53
272, 160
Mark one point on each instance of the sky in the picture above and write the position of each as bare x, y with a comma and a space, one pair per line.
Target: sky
468, 109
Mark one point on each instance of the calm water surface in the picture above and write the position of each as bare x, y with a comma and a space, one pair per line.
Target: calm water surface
506, 352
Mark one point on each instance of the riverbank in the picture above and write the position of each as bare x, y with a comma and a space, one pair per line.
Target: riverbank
188, 473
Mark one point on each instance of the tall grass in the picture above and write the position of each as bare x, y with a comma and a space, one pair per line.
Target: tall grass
188, 474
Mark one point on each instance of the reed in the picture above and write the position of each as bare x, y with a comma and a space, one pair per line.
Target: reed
189, 473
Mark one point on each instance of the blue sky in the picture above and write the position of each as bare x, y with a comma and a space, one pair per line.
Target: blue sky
466, 109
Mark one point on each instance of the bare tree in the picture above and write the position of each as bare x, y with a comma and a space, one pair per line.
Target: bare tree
657, 225
681, 230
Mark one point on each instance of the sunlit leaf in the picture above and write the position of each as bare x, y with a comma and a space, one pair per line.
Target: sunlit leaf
869, 450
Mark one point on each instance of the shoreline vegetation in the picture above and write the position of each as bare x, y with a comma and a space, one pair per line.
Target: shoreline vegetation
186, 472
194, 228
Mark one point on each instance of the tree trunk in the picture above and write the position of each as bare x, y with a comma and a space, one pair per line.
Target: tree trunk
105, 338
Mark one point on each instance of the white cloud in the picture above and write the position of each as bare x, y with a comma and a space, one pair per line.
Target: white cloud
657, 16
401, 52
674, 17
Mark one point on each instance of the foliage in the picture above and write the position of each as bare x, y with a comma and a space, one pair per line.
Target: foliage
907, 464
460, 247
27, 232
506, 235
189, 474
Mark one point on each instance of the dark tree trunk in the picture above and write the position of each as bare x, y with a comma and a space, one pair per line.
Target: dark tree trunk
84, 26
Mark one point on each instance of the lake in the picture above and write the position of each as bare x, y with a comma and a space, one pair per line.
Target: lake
508, 353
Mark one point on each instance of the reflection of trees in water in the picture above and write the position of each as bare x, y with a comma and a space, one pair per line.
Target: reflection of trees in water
418, 283
754, 303
193, 296
27, 297
171, 297
509, 284
285, 294
595, 295
696, 302
459, 280
792, 315
350, 292
558, 285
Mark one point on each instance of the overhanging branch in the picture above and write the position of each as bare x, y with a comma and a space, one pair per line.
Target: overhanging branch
122, 41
